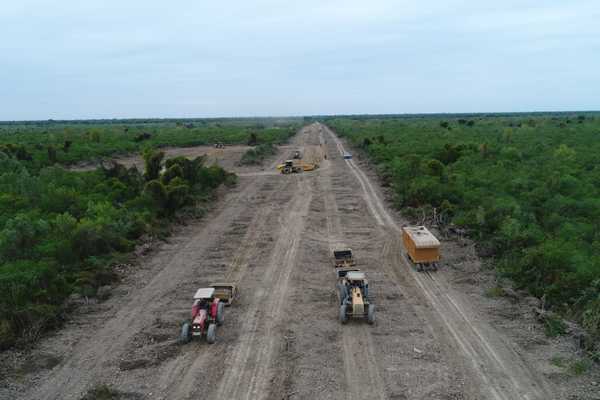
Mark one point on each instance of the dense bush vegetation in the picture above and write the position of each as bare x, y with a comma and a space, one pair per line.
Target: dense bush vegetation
527, 187
46, 143
60, 230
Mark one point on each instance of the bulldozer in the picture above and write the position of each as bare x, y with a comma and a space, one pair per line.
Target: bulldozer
353, 294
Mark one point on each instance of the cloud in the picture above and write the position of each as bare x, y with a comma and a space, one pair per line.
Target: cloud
111, 58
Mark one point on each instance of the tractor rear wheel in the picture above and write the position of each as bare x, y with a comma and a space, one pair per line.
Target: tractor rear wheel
343, 315
211, 333
186, 333
220, 313
371, 314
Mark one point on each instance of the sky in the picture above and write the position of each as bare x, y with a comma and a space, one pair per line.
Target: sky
74, 59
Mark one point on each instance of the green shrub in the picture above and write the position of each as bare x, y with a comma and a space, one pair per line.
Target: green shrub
102, 392
579, 367
495, 291
258, 154
153, 164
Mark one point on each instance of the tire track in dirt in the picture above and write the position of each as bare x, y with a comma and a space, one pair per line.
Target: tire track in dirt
248, 365
363, 378
501, 372
249, 368
181, 377
402, 324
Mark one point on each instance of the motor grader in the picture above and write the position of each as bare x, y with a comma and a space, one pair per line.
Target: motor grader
207, 312
353, 294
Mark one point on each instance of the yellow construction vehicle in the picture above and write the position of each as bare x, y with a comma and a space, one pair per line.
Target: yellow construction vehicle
289, 167
353, 292
342, 258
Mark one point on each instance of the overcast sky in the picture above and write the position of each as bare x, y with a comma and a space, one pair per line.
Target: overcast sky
145, 58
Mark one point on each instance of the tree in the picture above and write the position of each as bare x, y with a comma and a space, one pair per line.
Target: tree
153, 162
435, 168
51, 154
253, 139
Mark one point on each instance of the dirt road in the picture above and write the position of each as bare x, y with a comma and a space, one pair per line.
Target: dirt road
273, 235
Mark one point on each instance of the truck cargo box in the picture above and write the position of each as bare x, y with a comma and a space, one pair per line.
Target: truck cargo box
420, 244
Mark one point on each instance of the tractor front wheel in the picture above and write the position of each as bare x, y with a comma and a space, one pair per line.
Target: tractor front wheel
220, 313
211, 334
371, 314
186, 333
343, 315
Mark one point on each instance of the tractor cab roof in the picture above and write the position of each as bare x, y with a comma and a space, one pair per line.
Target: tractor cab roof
204, 293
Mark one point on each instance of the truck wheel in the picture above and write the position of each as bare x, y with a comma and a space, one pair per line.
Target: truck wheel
211, 334
220, 313
343, 316
186, 333
371, 314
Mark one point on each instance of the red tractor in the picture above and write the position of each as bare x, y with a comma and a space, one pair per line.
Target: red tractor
207, 312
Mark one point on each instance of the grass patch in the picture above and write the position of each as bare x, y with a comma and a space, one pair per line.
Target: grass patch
558, 361
575, 367
554, 326
580, 367
102, 392
495, 291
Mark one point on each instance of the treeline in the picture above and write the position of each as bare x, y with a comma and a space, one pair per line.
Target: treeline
527, 187
46, 144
